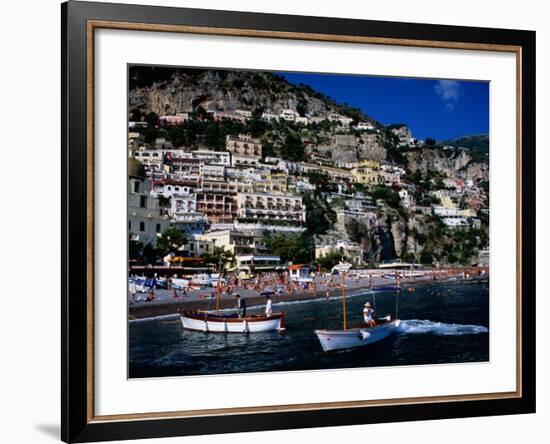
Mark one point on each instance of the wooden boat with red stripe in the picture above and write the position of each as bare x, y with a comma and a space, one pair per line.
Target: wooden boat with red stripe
207, 321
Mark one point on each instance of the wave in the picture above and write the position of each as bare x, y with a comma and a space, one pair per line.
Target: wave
153, 318
418, 326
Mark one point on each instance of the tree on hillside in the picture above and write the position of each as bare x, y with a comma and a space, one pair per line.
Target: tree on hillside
319, 214
320, 180
390, 197
293, 148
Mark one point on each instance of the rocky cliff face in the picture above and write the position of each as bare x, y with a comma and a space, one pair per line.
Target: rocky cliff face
434, 159
226, 91
448, 162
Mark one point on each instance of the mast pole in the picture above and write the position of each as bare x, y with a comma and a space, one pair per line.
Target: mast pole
397, 305
344, 298
218, 289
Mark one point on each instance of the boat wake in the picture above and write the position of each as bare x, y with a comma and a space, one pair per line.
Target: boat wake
418, 326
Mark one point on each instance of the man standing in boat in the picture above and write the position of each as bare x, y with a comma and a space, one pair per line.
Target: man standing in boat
268, 306
368, 315
241, 306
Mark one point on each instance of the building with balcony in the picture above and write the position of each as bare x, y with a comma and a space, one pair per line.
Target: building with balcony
196, 247
173, 120
213, 157
213, 172
182, 204
244, 160
218, 207
153, 159
273, 207
243, 145
235, 241
333, 243
289, 115
365, 126
368, 176
190, 223
185, 168
251, 263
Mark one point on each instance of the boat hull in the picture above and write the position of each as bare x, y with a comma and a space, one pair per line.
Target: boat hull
355, 337
205, 322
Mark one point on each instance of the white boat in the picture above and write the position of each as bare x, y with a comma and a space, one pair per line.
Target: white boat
180, 284
355, 337
341, 267
217, 323
359, 336
202, 280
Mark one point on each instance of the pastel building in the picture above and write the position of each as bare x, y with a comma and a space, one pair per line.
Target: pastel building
243, 145
271, 207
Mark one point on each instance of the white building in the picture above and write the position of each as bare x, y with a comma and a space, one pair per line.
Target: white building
343, 120
270, 117
288, 115
452, 217
213, 172
169, 188
213, 157
257, 262
244, 160
271, 207
153, 159
348, 250
365, 126
196, 247
406, 198
174, 120
244, 113
236, 242
181, 204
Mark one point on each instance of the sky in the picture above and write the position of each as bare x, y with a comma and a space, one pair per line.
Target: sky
441, 109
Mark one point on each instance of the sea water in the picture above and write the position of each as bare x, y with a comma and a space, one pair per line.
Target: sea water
441, 323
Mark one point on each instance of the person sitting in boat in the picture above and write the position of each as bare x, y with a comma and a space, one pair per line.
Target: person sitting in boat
241, 306
368, 315
268, 306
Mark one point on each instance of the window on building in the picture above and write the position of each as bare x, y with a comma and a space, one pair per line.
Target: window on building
158, 228
143, 201
129, 225
136, 186
142, 226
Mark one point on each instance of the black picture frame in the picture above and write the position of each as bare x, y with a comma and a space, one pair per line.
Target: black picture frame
76, 423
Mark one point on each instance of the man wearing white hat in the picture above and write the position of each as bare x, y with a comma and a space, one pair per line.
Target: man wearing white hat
368, 315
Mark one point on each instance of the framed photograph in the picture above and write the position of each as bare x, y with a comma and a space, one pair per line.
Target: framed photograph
276, 222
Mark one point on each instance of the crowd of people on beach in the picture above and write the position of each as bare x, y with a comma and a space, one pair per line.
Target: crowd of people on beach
261, 283
279, 283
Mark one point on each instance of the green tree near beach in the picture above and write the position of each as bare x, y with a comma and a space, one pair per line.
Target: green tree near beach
329, 260
171, 241
220, 256
297, 249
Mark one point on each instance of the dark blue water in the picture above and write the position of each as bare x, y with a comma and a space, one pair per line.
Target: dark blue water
447, 323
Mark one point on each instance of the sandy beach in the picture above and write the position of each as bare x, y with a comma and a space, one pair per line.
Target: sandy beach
205, 299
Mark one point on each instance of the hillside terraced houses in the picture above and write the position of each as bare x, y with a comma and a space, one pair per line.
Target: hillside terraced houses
230, 198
